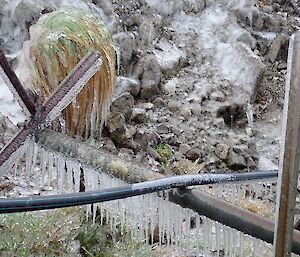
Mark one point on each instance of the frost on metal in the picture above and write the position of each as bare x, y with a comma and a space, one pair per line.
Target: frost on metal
60, 98
71, 86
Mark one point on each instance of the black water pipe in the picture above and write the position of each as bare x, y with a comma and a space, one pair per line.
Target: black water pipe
66, 200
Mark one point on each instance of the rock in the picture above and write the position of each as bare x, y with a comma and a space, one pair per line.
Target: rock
20, 15
241, 148
193, 6
159, 102
235, 161
193, 154
276, 7
162, 129
221, 151
276, 47
124, 85
184, 148
237, 59
173, 105
130, 130
126, 43
116, 123
178, 156
171, 86
126, 153
118, 132
168, 56
282, 66
186, 112
217, 96
154, 138
195, 108
138, 115
109, 145
149, 72
154, 154
148, 106
141, 137
246, 38
147, 32
123, 104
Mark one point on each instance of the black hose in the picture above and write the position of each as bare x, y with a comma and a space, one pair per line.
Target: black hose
66, 200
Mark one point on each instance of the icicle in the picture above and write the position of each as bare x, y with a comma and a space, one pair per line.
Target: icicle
29, 156
218, 239
60, 165
241, 245
50, 168
249, 113
69, 175
15, 156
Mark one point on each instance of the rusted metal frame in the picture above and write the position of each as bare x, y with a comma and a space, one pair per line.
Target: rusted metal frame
289, 155
202, 203
18, 140
86, 67
70, 86
25, 97
230, 215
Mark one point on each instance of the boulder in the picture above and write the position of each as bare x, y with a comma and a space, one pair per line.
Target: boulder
235, 161
148, 71
221, 151
138, 115
123, 104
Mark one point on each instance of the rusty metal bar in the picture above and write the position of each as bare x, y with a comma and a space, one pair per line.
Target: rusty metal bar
71, 86
13, 79
289, 156
17, 141
230, 215
52, 106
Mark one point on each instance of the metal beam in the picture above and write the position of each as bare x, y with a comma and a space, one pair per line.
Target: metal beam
231, 215
289, 155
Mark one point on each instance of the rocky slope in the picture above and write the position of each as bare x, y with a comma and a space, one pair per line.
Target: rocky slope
202, 79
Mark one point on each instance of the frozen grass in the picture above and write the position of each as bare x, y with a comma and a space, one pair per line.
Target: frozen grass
50, 233
58, 41
100, 241
64, 232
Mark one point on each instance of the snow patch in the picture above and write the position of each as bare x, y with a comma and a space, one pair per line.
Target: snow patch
168, 55
9, 107
265, 163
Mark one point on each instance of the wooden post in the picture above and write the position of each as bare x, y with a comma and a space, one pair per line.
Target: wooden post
289, 155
